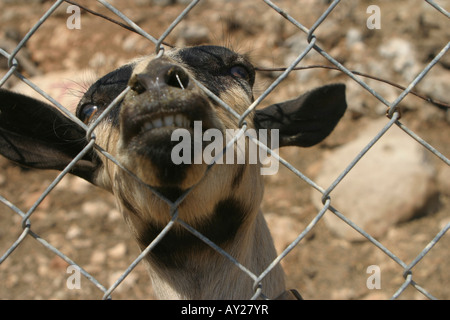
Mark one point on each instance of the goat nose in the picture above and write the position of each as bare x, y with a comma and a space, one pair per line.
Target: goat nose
160, 77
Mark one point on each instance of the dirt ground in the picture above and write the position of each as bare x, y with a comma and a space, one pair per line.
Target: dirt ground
82, 221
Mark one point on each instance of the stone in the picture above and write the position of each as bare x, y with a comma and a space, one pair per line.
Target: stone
73, 232
402, 57
284, 230
392, 183
118, 251
191, 34
95, 208
443, 179
98, 257
353, 37
435, 84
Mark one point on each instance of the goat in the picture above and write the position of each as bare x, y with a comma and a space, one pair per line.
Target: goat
224, 201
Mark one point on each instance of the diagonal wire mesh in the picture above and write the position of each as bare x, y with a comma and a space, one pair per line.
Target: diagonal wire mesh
312, 45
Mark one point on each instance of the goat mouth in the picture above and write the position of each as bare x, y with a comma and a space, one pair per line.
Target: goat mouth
147, 140
146, 132
170, 121
153, 122
157, 128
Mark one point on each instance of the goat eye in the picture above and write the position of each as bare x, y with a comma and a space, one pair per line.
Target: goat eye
240, 72
88, 112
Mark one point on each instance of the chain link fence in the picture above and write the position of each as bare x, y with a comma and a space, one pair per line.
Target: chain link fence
311, 45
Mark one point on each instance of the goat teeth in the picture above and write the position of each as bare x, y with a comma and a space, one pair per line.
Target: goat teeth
148, 126
177, 120
157, 123
168, 121
181, 121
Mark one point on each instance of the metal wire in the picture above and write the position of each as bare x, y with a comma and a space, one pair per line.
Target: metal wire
326, 191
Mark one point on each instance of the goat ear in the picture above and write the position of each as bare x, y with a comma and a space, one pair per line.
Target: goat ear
306, 120
36, 135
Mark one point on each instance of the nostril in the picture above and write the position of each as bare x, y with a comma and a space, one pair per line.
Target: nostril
140, 83
156, 77
176, 77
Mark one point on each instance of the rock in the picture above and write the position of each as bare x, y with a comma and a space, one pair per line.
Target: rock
98, 257
392, 183
190, 34
436, 84
444, 179
295, 46
132, 42
95, 208
353, 37
429, 24
284, 230
98, 60
118, 251
401, 56
114, 215
73, 232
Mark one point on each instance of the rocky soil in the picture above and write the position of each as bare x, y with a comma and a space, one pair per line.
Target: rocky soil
331, 261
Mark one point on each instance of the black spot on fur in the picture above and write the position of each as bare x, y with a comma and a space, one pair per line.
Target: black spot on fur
172, 194
178, 244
